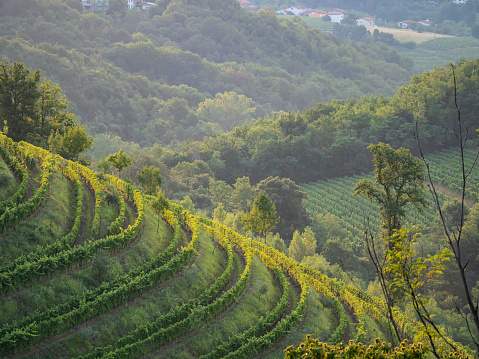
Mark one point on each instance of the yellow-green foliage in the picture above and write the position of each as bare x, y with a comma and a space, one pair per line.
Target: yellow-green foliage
313, 348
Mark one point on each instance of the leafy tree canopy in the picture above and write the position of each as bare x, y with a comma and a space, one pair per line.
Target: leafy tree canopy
287, 197
262, 217
398, 181
150, 179
119, 160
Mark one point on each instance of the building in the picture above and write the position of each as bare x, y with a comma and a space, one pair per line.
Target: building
245, 4
297, 10
405, 24
336, 16
425, 22
95, 5
98, 5
365, 21
87, 5
318, 13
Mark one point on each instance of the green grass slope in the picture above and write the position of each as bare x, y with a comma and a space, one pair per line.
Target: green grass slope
183, 287
7, 179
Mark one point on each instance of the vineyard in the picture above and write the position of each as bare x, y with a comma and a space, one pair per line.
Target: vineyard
335, 196
90, 270
449, 43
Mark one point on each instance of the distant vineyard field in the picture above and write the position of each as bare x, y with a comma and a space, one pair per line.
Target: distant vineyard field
406, 35
335, 196
449, 43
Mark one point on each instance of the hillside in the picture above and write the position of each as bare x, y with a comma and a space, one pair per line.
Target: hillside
90, 269
143, 77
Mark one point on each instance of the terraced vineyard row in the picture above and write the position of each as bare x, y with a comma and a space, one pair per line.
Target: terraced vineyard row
110, 286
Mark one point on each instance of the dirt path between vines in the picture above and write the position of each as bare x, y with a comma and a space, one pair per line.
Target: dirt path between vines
452, 194
83, 224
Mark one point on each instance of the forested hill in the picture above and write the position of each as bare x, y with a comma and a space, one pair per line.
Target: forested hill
145, 76
330, 140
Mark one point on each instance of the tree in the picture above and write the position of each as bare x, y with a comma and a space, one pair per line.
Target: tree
219, 214
275, 241
296, 249
38, 112
18, 99
220, 193
71, 144
188, 204
119, 160
398, 177
399, 180
454, 226
103, 165
475, 30
74, 4
288, 200
410, 273
262, 217
302, 245
309, 241
117, 6
52, 109
228, 109
243, 194
150, 179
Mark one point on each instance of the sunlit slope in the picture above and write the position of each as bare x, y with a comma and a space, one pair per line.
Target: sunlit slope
102, 274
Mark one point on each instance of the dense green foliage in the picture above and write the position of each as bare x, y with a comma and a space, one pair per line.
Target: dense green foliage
99, 286
262, 218
331, 139
199, 61
143, 78
398, 181
313, 348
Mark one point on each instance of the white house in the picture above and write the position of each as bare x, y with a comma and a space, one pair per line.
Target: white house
86, 5
297, 10
425, 22
404, 24
459, 1
365, 21
336, 16
140, 4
